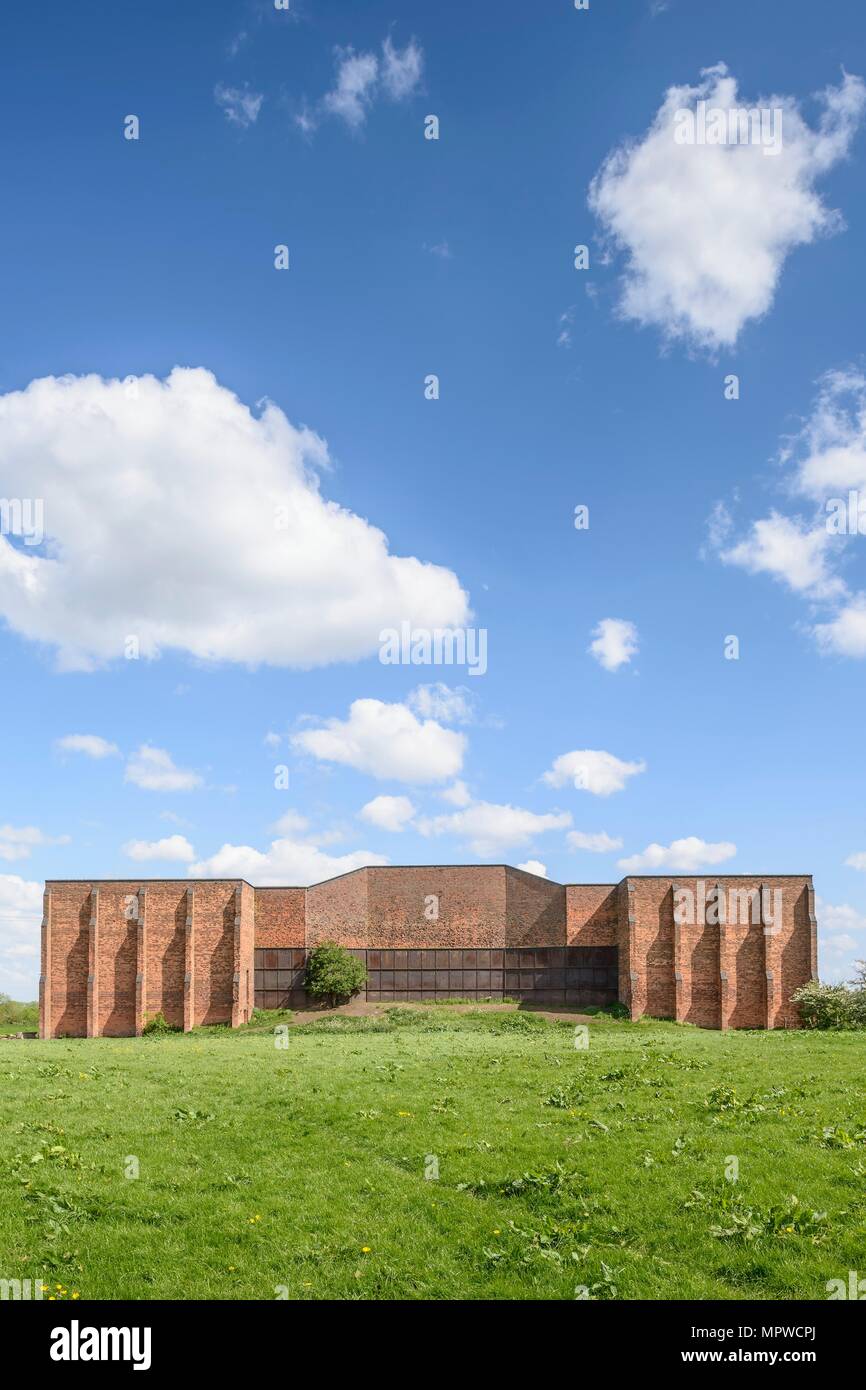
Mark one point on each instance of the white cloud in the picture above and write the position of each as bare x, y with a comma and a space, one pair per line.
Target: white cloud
291, 823
174, 847
401, 70
90, 744
592, 770
845, 634
18, 842
272, 740
841, 940
388, 812
825, 462
616, 642
490, 829
599, 843
789, 550
388, 742
683, 856
267, 572
155, 771
20, 919
362, 78
565, 324
352, 94
458, 794
856, 861
707, 228
534, 866
240, 105
286, 862
439, 701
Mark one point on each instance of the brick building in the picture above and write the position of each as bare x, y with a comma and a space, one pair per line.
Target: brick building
721, 953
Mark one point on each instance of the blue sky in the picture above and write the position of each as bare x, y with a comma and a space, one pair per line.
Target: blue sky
123, 259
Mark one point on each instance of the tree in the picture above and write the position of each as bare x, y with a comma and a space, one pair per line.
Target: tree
333, 973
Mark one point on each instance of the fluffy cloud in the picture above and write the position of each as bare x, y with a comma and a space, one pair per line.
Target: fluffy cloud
534, 866
458, 794
362, 77
599, 843
401, 69
20, 918
440, 701
490, 829
174, 847
841, 940
238, 557
295, 863
388, 742
592, 770
845, 634
388, 812
823, 464
683, 856
291, 823
615, 643
90, 744
240, 105
352, 93
18, 842
789, 550
707, 228
155, 771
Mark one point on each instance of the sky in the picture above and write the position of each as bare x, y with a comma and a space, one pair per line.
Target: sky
301, 352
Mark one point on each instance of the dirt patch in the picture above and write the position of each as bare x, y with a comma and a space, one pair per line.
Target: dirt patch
359, 1008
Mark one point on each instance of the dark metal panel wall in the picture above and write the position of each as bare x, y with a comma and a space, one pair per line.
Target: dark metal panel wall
542, 975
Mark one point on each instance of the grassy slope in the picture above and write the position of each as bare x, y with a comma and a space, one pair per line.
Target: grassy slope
262, 1167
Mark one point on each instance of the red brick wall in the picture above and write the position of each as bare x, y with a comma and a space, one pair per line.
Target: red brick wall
165, 937
66, 984
535, 910
470, 910
337, 910
117, 961
280, 917
735, 974
214, 951
739, 975
592, 914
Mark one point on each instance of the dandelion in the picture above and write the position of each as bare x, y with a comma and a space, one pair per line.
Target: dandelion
365, 1250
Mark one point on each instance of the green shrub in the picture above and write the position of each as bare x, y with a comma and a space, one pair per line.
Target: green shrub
157, 1023
832, 1006
333, 973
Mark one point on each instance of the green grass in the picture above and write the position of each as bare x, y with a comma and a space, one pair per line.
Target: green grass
304, 1166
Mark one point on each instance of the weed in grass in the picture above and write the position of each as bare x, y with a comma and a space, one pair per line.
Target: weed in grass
310, 1139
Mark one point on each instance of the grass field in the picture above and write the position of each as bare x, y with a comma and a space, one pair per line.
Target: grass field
310, 1169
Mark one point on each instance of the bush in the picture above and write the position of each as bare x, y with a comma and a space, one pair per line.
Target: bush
16, 1017
333, 973
157, 1023
833, 1006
